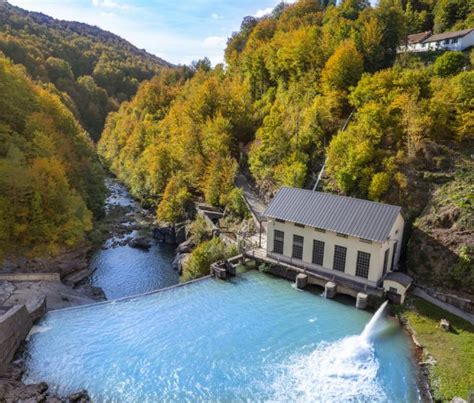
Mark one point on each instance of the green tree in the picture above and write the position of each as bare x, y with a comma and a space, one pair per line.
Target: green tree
449, 63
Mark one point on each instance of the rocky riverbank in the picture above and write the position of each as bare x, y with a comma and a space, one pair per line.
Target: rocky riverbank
13, 390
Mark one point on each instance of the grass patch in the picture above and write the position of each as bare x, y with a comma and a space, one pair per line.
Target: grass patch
453, 373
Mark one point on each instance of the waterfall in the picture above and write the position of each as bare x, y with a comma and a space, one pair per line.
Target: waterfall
370, 327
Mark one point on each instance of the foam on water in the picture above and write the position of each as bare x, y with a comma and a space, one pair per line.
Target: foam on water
345, 370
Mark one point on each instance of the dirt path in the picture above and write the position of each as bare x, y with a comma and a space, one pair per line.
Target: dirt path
443, 305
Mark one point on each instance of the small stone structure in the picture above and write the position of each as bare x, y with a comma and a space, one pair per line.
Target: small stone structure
361, 300
301, 281
330, 290
225, 268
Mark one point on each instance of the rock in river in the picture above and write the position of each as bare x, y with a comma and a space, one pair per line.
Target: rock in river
141, 243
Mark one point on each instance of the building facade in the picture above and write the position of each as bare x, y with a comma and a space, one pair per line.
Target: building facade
335, 236
425, 41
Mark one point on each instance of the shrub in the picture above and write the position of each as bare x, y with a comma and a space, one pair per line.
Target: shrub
204, 255
449, 63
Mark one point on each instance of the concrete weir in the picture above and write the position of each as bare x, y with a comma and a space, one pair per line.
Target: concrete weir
330, 290
361, 300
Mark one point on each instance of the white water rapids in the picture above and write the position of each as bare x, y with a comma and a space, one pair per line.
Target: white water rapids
341, 371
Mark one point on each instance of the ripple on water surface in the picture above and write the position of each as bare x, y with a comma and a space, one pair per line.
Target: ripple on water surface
253, 337
125, 271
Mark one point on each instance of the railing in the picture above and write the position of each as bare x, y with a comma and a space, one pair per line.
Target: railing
313, 269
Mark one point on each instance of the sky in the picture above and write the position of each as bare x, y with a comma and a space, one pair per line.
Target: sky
178, 31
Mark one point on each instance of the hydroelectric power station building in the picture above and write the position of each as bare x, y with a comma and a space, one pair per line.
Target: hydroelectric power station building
348, 240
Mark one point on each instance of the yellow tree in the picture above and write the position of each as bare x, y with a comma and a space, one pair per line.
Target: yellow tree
344, 68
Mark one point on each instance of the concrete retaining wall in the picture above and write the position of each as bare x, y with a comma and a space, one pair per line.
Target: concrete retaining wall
55, 277
14, 327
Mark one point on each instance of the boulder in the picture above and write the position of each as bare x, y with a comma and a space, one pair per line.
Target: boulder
179, 261
140, 243
79, 397
164, 234
185, 247
180, 235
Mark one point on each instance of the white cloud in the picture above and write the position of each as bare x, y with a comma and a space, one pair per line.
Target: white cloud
215, 16
214, 41
262, 12
109, 4
265, 11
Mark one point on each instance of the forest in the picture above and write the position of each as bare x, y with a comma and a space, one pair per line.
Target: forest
92, 70
276, 108
273, 111
51, 181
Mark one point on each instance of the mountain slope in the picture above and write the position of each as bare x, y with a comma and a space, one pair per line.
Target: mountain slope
51, 182
93, 70
291, 81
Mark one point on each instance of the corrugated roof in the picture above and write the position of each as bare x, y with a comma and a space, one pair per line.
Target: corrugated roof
448, 35
416, 38
345, 215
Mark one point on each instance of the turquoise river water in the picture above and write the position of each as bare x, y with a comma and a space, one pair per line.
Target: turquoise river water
254, 338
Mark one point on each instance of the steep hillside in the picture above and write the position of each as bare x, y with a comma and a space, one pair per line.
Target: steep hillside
51, 183
93, 69
276, 109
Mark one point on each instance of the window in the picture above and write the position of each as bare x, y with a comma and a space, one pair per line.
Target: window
365, 240
385, 261
278, 243
454, 40
363, 264
341, 235
393, 289
297, 247
318, 252
278, 220
299, 225
320, 230
339, 258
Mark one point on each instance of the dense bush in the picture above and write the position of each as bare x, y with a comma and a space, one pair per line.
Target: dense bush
204, 255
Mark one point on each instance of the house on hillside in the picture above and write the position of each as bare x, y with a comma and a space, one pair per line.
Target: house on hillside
414, 42
425, 41
338, 237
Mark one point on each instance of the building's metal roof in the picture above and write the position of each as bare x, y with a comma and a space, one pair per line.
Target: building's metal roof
400, 278
417, 38
448, 35
345, 215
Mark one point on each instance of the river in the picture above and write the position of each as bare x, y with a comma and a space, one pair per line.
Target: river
121, 270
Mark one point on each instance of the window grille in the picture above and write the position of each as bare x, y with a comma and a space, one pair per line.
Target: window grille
339, 258
298, 242
278, 241
363, 264
318, 252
